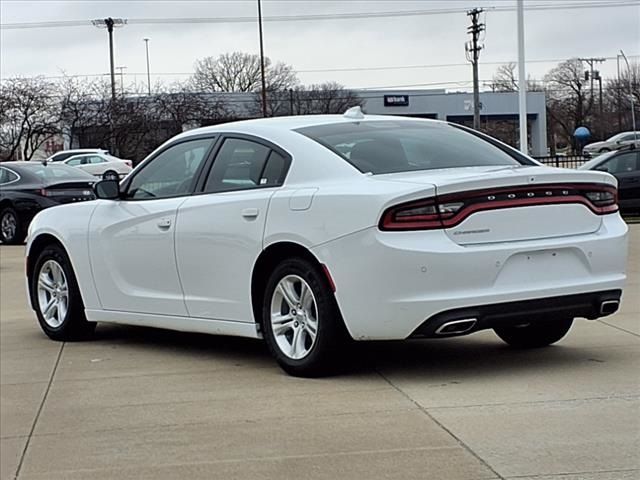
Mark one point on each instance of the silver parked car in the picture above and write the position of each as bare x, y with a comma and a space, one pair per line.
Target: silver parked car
614, 143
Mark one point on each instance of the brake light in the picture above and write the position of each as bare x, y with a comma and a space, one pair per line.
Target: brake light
449, 210
420, 215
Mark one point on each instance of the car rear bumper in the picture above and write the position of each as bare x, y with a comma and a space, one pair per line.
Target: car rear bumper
462, 321
389, 283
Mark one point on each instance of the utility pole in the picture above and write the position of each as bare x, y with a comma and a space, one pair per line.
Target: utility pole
146, 45
619, 93
598, 77
291, 101
472, 49
589, 75
633, 112
109, 24
121, 78
264, 83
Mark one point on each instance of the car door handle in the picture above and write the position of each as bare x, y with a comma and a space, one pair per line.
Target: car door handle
250, 212
164, 223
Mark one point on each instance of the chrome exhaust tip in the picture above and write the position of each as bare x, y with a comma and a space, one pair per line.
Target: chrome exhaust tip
456, 327
609, 306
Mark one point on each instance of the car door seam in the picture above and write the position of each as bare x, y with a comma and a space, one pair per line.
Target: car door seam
175, 257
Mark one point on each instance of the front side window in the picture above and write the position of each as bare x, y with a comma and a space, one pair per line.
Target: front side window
171, 173
389, 146
242, 164
61, 156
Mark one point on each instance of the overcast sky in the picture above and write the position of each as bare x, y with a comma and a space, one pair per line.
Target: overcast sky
312, 45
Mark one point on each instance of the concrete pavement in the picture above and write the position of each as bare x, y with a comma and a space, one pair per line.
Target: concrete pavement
144, 403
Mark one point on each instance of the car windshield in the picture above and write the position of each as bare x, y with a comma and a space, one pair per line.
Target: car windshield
388, 146
56, 172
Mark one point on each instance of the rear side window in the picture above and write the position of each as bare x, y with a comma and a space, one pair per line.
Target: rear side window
389, 146
7, 176
624, 163
244, 164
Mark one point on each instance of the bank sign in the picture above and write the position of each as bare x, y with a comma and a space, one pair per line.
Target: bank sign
396, 100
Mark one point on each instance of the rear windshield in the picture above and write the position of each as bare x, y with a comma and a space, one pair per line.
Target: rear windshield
56, 172
389, 146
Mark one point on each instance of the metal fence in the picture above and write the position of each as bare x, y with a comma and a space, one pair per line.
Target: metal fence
563, 161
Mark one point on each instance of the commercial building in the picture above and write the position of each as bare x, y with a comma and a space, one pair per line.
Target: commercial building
498, 114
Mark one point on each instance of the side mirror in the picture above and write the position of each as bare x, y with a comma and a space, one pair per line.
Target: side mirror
107, 189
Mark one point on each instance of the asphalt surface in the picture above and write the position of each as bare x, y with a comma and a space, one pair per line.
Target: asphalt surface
153, 404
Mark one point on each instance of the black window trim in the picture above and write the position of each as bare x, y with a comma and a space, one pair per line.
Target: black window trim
202, 181
215, 137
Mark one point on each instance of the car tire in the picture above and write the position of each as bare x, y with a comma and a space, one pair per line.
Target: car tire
11, 228
56, 297
110, 175
301, 322
604, 150
535, 335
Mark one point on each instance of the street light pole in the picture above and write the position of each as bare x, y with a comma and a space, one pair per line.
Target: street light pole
619, 92
522, 82
633, 113
264, 83
146, 44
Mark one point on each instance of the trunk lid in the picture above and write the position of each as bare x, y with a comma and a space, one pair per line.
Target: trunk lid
69, 192
505, 220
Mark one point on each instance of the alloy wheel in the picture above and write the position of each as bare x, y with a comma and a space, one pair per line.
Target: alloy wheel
53, 293
8, 225
294, 317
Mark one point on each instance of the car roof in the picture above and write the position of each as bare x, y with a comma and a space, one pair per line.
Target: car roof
81, 150
294, 123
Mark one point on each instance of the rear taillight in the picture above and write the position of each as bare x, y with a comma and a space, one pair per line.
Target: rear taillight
421, 215
449, 210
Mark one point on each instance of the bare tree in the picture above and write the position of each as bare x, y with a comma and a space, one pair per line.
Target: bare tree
240, 72
568, 105
181, 106
324, 98
505, 80
29, 116
617, 97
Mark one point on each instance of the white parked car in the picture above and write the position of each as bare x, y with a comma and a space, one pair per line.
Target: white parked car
100, 164
64, 154
616, 142
310, 231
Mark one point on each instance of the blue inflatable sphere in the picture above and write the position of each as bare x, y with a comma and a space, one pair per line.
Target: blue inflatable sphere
582, 133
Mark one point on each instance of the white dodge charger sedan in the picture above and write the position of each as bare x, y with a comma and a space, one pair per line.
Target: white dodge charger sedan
312, 231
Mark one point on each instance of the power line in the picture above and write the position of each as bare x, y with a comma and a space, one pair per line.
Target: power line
318, 17
340, 69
